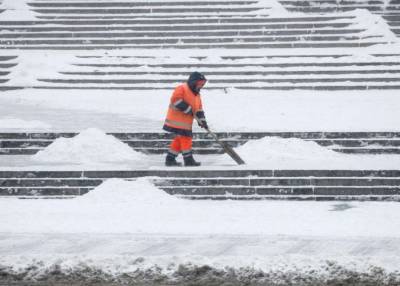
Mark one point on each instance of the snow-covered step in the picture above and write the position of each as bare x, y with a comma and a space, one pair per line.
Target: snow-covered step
389, 10
6, 64
326, 72
97, 4
120, 9
217, 184
310, 19
158, 143
90, 10
179, 34
247, 32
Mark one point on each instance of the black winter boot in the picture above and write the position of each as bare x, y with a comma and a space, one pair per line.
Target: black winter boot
189, 160
170, 160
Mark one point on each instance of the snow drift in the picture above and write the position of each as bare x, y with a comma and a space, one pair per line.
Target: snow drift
277, 151
90, 146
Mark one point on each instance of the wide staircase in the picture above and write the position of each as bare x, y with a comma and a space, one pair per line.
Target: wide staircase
263, 45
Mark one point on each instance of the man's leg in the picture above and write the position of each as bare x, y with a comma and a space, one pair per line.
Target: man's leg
187, 152
173, 152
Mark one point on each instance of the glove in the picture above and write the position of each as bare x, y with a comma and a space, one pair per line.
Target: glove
203, 123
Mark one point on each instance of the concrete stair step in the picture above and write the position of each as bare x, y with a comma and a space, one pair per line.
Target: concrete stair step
197, 173
157, 143
223, 135
238, 34
217, 184
153, 146
295, 193
7, 58
266, 182
179, 27
324, 87
367, 151
42, 191
328, 2
146, 11
7, 65
213, 151
199, 46
117, 17
336, 9
80, 183
230, 82
97, 4
186, 66
182, 74
392, 18
183, 20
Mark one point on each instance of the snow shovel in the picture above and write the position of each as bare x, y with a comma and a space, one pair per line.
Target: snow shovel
228, 149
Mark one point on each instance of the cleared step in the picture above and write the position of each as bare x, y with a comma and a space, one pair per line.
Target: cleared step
234, 173
290, 191
376, 150
49, 183
41, 191
274, 182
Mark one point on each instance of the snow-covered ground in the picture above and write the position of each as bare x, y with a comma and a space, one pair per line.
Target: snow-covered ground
144, 111
131, 226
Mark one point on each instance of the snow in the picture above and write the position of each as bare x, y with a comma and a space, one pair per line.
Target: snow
139, 193
138, 207
16, 124
16, 10
277, 151
121, 221
90, 146
375, 25
270, 110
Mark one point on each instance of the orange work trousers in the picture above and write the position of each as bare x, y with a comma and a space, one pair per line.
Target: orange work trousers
181, 144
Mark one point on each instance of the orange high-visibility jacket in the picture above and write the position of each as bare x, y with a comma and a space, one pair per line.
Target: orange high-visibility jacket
178, 119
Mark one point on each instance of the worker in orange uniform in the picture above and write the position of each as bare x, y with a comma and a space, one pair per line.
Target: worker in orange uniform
185, 105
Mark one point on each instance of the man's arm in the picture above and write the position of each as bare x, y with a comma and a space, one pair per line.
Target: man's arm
178, 103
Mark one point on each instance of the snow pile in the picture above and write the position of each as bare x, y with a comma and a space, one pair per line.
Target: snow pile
34, 65
274, 9
16, 10
275, 150
375, 25
8, 123
138, 193
90, 146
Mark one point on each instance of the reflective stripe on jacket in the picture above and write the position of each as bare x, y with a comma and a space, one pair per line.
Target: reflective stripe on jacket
183, 119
